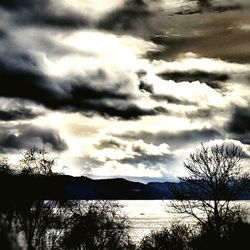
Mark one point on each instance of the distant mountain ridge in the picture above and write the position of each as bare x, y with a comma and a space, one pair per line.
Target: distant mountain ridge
65, 187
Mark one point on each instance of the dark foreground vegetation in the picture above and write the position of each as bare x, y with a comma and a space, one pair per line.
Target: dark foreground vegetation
101, 225
32, 223
69, 225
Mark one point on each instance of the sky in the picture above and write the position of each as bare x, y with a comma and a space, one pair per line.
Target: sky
124, 88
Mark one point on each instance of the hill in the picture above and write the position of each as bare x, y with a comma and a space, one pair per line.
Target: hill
65, 187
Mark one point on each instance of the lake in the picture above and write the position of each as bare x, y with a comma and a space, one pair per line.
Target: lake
148, 215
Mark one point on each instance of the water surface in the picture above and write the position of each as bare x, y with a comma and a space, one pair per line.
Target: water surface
148, 215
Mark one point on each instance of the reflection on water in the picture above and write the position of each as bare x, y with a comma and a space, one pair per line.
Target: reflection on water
148, 215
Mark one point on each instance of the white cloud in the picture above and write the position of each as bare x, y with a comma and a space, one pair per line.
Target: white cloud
104, 49
89, 8
140, 147
111, 148
196, 92
115, 169
191, 62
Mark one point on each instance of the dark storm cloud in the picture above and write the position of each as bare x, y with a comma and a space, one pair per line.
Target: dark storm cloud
210, 78
129, 112
40, 12
170, 46
3, 34
206, 5
125, 17
149, 160
146, 87
174, 139
22, 78
13, 57
14, 5
240, 121
171, 99
62, 20
193, 136
204, 113
110, 143
74, 94
27, 84
93, 100
17, 114
29, 136
243, 138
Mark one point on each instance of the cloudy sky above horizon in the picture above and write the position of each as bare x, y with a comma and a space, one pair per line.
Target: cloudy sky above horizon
123, 88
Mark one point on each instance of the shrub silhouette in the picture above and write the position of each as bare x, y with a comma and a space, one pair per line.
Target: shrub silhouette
176, 237
235, 233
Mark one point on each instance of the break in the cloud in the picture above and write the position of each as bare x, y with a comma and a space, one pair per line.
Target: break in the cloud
123, 88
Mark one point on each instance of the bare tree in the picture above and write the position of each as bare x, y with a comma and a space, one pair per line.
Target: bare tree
37, 161
215, 178
41, 223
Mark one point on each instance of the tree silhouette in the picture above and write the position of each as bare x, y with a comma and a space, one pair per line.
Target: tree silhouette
176, 237
97, 225
215, 178
41, 223
5, 166
37, 161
